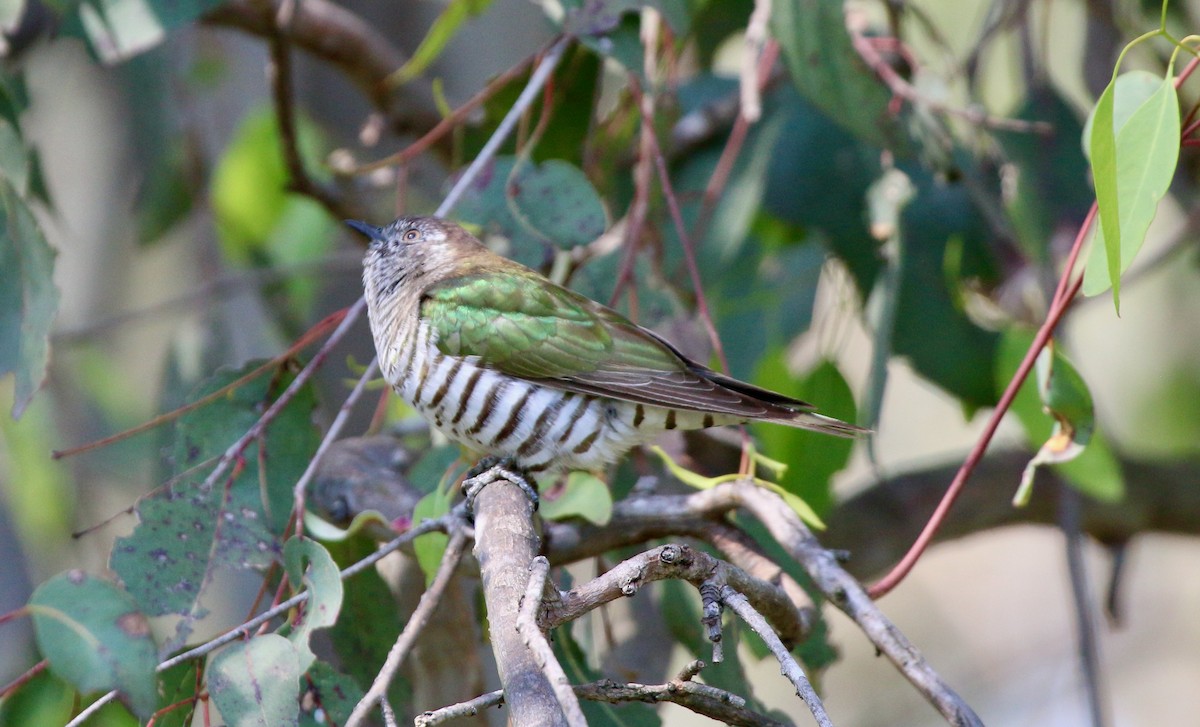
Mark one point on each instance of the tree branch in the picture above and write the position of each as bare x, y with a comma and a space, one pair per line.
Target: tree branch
535, 640
505, 544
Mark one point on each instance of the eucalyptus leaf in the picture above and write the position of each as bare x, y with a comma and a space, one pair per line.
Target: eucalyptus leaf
256, 683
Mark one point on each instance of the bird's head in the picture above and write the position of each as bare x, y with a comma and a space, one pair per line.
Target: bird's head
413, 252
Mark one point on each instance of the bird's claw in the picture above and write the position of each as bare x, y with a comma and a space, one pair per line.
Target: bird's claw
493, 469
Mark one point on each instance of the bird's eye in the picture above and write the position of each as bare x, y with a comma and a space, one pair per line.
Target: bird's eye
411, 236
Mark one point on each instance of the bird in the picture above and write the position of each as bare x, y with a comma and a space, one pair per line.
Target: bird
527, 373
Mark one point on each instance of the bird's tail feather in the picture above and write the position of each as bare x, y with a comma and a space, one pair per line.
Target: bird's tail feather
825, 425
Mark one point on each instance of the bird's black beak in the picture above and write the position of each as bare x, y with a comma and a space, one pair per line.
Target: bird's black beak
371, 231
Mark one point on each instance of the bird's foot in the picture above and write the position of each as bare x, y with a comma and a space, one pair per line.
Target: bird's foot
492, 469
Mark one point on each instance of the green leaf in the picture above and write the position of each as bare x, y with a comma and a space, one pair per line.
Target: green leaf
336, 694
44, 700
443, 29
256, 683
1133, 155
176, 686
534, 205
1055, 412
95, 638
369, 622
28, 298
309, 563
258, 221
826, 69
585, 496
120, 29
430, 547
186, 530
811, 458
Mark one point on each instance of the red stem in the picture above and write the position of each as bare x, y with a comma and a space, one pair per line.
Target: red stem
1062, 300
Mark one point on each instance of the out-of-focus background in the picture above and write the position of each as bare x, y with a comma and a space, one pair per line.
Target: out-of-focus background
178, 253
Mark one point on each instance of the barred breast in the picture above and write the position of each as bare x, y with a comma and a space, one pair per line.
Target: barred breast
539, 426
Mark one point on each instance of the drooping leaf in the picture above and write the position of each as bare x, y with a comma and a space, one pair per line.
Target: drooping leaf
1055, 410
585, 496
186, 530
309, 564
95, 638
28, 298
369, 622
256, 683
1131, 168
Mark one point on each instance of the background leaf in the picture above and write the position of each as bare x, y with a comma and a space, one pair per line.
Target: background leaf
95, 638
28, 298
256, 683
310, 564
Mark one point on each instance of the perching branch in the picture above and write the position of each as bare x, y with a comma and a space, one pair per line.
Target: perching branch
505, 544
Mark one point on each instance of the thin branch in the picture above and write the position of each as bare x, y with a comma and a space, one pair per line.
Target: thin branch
285, 116
905, 90
750, 79
416, 622
335, 428
787, 663
539, 77
469, 708
1081, 600
535, 640
1062, 300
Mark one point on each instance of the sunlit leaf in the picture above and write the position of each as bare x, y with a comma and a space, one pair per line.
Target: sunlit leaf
256, 683
95, 638
430, 547
585, 496
28, 298
1132, 167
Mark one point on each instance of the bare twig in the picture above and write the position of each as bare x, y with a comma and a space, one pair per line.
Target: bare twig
750, 79
905, 90
702, 699
469, 708
787, 663
335, 428
841, 589
535, 640
328, 31
673, 561
285, 117
416, 622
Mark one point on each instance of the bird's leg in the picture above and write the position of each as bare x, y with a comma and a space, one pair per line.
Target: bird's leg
491, 469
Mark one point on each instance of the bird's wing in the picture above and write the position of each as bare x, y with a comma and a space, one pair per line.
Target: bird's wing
518, 323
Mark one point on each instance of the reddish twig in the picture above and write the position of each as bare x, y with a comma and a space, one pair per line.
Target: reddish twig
1068, 287
9, 689
312, 334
